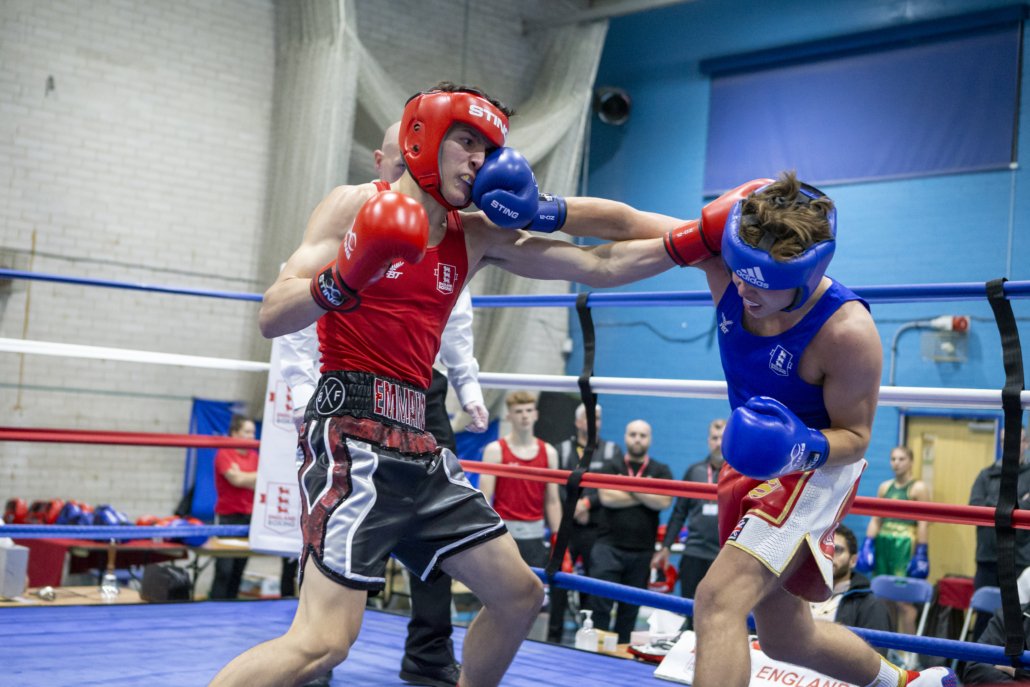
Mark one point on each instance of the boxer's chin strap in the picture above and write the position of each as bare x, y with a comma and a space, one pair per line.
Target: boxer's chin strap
572, 487
1015, 639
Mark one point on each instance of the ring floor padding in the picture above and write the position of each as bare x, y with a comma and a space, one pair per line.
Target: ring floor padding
187, 644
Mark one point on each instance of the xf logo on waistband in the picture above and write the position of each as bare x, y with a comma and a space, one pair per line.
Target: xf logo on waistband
764, 489
446, 278
753, 275
479, 111
330, 397
400, 404
780, 361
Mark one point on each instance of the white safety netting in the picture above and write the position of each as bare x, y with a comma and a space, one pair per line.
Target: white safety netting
325, 73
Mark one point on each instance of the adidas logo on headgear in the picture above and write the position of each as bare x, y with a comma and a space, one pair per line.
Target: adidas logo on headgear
753, 275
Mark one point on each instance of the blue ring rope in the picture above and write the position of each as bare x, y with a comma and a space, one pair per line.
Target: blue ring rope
932, 646
905, 293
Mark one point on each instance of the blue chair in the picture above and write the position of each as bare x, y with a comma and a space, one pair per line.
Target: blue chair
985, 600
907, 590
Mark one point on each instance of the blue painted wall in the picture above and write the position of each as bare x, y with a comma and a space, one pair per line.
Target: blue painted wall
933, 230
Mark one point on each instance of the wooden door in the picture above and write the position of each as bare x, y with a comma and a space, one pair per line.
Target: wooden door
949, 453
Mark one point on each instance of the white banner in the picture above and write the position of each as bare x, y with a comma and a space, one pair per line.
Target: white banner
275, 525
678, 666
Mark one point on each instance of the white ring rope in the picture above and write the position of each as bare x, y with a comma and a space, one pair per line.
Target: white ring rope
904, 396
126, 355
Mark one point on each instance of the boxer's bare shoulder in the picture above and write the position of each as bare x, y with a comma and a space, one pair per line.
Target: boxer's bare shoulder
335, 214
329, 223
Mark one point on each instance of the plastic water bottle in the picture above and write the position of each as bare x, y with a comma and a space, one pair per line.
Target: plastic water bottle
109, 589
586, 636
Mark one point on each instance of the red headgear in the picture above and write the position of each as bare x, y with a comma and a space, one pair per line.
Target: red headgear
428, 117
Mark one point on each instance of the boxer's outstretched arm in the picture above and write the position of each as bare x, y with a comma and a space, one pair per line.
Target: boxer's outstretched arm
605, 265
613, 221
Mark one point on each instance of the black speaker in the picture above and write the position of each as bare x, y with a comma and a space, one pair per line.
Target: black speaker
164, 583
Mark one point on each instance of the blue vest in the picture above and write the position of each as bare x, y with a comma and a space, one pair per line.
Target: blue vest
768, 365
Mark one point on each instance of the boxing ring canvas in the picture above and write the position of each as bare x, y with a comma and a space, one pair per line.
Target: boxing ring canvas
187, 644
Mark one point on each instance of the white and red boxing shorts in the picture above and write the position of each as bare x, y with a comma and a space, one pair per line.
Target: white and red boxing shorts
795, 514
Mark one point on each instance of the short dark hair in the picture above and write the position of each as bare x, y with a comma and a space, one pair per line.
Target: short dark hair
795, 226
849, 537
449, 87
237, 422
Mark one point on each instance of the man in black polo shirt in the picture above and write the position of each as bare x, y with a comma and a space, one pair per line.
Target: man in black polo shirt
587, 516
628, 528
702, 545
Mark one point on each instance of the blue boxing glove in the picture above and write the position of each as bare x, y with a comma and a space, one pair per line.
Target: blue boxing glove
763, 439
505, 189
919, 566
866, 556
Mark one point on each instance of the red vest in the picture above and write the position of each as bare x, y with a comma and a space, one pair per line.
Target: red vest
395, 332
520, 499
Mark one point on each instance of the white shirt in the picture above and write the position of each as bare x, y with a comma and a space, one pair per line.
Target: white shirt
299, 358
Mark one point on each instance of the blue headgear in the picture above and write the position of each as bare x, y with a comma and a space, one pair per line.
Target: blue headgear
757, 267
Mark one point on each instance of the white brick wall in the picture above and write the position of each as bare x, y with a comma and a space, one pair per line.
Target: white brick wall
148, 162
149, 155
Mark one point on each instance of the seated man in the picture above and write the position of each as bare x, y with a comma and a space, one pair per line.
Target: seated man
986, 674
852, 603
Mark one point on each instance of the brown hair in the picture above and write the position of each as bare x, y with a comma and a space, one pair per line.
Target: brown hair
776, 210
237, 423
449, 87
519, 398
906, 449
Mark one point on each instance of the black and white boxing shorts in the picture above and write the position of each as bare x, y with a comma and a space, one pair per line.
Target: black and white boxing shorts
374, 483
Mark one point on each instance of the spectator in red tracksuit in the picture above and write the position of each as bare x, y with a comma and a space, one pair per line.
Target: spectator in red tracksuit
235, 477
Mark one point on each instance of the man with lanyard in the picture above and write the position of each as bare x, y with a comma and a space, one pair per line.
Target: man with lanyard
373, 482
702, 545
428, 650
629, 527
586, 517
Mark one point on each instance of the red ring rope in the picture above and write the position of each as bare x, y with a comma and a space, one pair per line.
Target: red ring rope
864, 505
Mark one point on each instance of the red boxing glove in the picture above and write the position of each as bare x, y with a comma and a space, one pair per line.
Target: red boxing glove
390, 226
701, 239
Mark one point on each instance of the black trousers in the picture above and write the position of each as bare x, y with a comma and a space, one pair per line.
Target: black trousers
228, 571
631, 568
581, 543
429, 630
692, 570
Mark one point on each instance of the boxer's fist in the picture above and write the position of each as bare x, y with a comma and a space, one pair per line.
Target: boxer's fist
866, 556
698, 240
505, 189
390, 226
919, 566
763, 439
